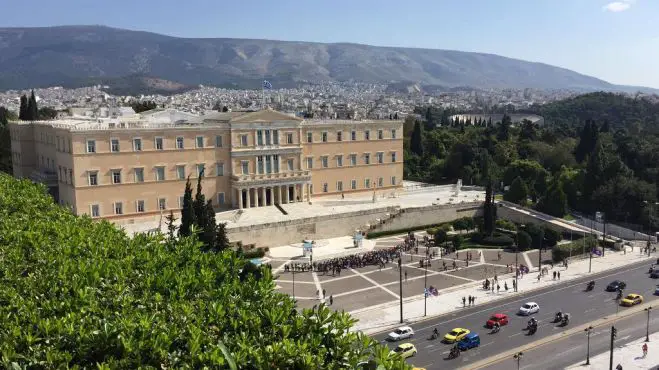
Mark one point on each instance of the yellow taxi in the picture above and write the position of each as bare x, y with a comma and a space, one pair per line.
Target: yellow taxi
631, 300
404, 350
456, 335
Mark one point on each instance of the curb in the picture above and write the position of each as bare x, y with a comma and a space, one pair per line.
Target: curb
552, 338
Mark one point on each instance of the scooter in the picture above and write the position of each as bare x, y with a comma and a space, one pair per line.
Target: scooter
590, 286
566, 320
533, 329
558, 317
455, 352
434, 336
495, 329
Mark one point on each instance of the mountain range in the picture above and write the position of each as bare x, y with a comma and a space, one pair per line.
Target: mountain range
72, 56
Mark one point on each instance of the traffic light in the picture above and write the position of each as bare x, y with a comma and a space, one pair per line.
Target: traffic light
614, 332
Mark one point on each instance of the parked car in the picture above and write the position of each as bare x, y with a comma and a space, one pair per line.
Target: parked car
502, 319
529, 308
616, 285
401, 333
405, 350
456, 335
471, 340
632, 299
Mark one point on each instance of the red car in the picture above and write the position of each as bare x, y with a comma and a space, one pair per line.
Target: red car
497, 317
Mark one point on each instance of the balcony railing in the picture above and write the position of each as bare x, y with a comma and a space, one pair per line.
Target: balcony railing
271, 176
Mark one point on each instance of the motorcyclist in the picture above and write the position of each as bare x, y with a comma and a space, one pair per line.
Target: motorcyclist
619, 293
566, 318
435, 332
496, 327
455, 351
559, 315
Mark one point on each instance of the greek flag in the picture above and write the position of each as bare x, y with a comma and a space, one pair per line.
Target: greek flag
267, 85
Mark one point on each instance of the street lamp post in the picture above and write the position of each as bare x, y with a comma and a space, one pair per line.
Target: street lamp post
518, 356
588, 330
293, 272
647, 328
425, 285
400, 283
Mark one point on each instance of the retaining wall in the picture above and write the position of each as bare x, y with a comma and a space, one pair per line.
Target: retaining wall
430, 215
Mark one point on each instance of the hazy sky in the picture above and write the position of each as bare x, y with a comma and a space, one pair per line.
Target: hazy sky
617, 41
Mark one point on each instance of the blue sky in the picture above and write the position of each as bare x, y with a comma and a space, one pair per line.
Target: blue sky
614, 40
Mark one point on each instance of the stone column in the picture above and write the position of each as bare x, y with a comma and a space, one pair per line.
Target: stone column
249, 202
294, 192
240, 198
265, 199
279, 194
308, 186
256, 197
287, 194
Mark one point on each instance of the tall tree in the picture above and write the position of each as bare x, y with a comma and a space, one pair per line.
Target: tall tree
171, 228
209, 228
489, 216
221, 238
518, 192
554, 202
5, 142
416, 141
199, 205
23, 114
32, 108
587, 141
187, 213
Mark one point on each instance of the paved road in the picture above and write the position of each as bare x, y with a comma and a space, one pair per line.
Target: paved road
572, 350
569, 297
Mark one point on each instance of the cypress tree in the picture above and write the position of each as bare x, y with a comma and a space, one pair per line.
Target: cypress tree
187, 213
171, 228
209, 230
22, 112
221, 239
32, 108
416, 141
199, 204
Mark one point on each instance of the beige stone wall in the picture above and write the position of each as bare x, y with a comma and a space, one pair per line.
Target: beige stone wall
431, 215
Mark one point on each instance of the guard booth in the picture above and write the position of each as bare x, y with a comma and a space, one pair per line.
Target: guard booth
307, 248
358, 239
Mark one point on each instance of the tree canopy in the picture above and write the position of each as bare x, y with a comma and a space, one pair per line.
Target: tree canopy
79, 293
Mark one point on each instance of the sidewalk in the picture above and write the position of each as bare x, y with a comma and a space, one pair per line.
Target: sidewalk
379, 318
629, 356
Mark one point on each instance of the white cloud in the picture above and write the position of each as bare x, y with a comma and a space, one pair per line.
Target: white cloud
618, 6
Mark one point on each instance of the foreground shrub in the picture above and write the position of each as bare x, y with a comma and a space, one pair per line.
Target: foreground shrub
576, 248
78, 293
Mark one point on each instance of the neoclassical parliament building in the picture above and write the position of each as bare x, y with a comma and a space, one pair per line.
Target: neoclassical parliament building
127, 168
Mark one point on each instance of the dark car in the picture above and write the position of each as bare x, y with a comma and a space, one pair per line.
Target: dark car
655, 274
616, 285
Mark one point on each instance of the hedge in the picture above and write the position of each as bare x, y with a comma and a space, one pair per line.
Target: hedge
81, 294
576, 248
496, 239
379, 234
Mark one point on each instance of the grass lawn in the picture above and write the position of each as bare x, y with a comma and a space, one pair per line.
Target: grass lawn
568, 217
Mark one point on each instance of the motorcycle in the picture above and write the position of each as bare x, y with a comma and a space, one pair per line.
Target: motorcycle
533, 329
495, 329
434, 336
619, 296
566, 320
455, 352
558, 317
590, 286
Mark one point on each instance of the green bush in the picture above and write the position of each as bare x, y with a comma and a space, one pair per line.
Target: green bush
440, 236
255, 253
379, 234
523, 240
496, 239
432, 230
576, 248
76, 293
457, 241
505, 224
464, 223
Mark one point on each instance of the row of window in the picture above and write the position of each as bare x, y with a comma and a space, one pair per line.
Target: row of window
117, 178
324, 160
141, 206
353, 184
324, 136
159, 144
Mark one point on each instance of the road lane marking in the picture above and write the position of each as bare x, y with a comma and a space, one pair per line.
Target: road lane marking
319, 289
524, 299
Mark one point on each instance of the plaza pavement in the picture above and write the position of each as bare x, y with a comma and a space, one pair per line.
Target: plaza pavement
629, 356
371, 294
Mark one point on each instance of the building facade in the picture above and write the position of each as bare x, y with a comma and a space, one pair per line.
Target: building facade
131, 168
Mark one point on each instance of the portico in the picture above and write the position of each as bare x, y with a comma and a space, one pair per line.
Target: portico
262, 195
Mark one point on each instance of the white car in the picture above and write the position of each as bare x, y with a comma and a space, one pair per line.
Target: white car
401, 333
529, 308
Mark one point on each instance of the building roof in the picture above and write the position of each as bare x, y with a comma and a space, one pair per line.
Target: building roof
266, 115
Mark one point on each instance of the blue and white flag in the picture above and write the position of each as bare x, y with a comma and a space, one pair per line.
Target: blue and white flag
267, 85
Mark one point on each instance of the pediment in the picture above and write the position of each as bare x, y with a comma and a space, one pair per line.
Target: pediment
266, 115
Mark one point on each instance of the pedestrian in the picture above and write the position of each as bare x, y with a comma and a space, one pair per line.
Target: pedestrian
539, 277
554, 275
317, 293
464, 302
405, 275
514, 284
469, 300
505, 286
645, 349
492, 288
498, 287
331, 300
499, 256
473, 300
496, 278
619, 367
559, 276
323, 293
